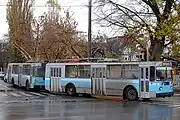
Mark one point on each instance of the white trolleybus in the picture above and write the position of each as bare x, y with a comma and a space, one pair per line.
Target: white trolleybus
30, 75
132, 80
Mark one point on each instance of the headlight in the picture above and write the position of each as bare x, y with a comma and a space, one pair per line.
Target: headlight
160, 88
171, 87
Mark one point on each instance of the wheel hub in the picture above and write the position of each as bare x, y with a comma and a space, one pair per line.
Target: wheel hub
132, 94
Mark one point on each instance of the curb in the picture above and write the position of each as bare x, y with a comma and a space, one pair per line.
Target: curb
112, 98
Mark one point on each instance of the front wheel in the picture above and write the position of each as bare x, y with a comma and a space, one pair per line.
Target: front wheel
71, 90
131, 94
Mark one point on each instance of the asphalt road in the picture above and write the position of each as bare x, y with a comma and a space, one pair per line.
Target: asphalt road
22, 105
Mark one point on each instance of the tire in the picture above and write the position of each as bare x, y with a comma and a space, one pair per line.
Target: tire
27, 86
70, 90
131, 94
5, 80
12, 81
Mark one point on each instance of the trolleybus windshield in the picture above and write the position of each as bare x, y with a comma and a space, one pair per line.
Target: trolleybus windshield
160, 73
38, 71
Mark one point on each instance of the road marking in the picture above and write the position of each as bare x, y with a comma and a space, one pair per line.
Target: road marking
28, 95
36, 94
4, 86
47, 94
4, 95
14, 94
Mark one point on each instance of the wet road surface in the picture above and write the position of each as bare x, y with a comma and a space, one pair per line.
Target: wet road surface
23, 105
67, 108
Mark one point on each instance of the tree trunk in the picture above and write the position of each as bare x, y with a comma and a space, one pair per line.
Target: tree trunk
156, 49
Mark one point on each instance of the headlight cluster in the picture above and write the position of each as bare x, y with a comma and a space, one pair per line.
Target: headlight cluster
160, 88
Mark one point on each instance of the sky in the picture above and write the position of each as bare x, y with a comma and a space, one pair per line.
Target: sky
77, 6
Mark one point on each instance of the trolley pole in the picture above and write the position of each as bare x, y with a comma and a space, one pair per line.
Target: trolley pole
89, 28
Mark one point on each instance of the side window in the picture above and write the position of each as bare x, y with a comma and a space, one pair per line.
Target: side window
152, 73
130, 71
15, 69
84, 71
147, 73
52, 72
142, 73
71, 71
93, 72
114, 71
55, 72
26, 69
59, 72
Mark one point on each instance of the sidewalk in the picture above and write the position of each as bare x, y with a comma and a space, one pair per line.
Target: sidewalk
176, 90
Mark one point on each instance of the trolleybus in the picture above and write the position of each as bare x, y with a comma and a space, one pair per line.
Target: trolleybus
132, 80
28, 75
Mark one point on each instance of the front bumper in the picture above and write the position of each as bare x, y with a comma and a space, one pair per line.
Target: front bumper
168, 94
39, 87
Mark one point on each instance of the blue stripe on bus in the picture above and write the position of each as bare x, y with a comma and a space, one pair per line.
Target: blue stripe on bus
78, 82
86, 82
154, 86
38, 81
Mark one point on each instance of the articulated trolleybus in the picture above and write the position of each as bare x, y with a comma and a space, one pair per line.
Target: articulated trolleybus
28, 75
132, 80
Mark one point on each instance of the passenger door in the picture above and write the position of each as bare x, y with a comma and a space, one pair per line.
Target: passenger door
9, 74
55, 77
98, 75
20, 76
144, 91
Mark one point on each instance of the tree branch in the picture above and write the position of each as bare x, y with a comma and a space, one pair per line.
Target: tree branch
170, 42
153, 5
167, 8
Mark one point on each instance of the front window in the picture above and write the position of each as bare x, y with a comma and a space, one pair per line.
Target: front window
163, 73
38, 71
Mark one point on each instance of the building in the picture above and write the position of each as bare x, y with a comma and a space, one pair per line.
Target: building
121, 47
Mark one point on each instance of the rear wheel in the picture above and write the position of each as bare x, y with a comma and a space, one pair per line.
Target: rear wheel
71, 90
131, 94
12, 81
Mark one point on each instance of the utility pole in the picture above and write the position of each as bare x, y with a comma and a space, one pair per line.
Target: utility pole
89, 28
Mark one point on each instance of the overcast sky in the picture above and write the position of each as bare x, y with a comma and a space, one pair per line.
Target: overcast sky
77, 6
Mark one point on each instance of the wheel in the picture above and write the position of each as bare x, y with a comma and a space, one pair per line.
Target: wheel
71, 90
131, 94
12, 81
27, 86
5, 80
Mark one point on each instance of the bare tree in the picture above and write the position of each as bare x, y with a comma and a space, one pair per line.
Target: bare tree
57, 34
143, 20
